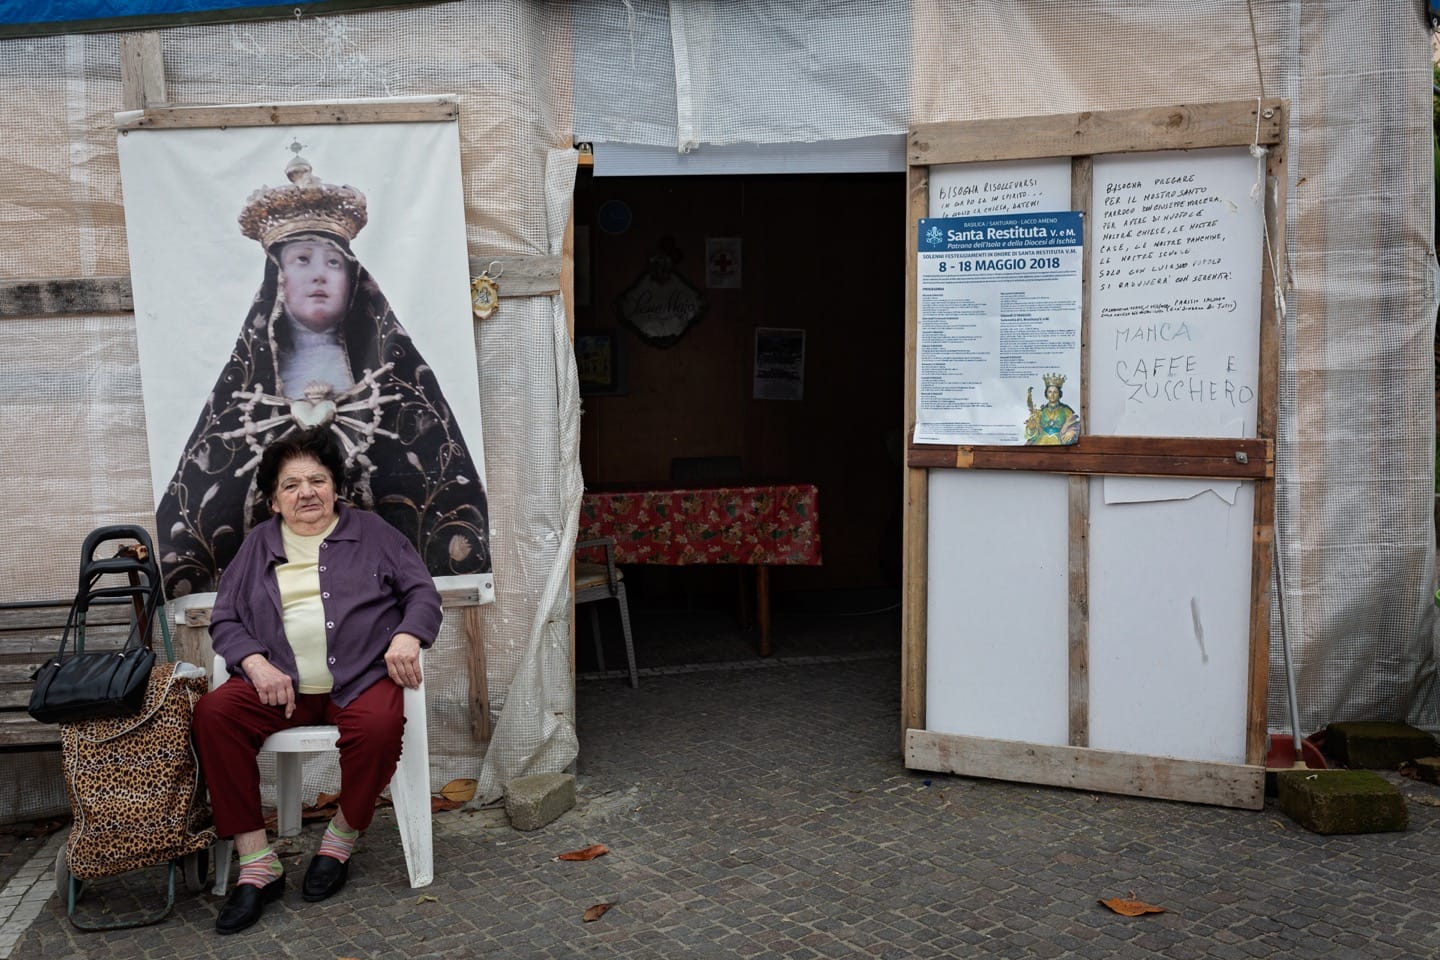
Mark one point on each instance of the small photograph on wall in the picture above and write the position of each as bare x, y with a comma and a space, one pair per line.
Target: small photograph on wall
779, 364
600, 363
295, 278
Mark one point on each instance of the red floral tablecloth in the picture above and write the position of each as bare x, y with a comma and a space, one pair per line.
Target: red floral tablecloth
741, 524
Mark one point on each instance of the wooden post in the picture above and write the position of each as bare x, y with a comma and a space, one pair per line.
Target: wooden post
915, 561
479, 678
142, 71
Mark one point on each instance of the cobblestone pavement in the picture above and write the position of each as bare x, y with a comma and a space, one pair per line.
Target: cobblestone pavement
765, 812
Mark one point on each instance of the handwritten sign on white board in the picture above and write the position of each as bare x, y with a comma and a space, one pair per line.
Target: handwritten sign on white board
1175, 294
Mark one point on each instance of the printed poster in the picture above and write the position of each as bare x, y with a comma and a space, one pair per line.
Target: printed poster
305, 277
999, 329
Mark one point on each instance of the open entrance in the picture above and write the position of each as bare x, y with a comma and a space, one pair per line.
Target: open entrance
736, 331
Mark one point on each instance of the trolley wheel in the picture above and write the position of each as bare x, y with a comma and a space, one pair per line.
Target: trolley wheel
62, 878
196, 869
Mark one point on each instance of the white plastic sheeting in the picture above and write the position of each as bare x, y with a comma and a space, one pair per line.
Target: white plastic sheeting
1354, 493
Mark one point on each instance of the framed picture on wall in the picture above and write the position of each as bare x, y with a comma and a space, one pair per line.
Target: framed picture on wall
601, 363
779, 364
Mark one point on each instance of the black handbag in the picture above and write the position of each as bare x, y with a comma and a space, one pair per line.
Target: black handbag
91, 685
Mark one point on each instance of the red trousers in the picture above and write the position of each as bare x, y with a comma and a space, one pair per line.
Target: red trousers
230, 724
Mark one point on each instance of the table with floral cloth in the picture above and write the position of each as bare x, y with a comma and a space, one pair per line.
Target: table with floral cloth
760, 525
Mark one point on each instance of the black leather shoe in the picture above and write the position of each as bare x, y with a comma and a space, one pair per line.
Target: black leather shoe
246, 903
324, 878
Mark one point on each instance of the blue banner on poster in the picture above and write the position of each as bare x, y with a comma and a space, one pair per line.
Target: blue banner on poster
1029, 230
68, 11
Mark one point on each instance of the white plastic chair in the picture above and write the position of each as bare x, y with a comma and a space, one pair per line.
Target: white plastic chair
409, 787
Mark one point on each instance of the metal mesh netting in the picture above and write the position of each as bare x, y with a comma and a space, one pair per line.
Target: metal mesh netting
1355, 468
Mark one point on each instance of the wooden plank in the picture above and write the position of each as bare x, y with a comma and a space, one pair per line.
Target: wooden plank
1262, 554
521, 276
916, 517
479, 676
1243, 459
1078, 575
142, 71
430, 110
17, 729
1084, 768
1079, 613
1180, 127
69, 297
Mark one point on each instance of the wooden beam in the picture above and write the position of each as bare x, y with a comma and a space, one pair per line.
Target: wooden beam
1182, 127
1262, 554
1078, 578
1083, 768
1078, 572
521, 276
19, 730
294, 114
62, 297
1219, 458
479, 676
142, 71
915, 560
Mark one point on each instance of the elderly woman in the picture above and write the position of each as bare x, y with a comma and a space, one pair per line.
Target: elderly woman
320, 619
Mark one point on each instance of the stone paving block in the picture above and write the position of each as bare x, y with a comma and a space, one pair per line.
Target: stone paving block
536, 801
1373, 745
1341, 801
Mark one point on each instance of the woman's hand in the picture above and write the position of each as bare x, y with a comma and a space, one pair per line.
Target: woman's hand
402, 660
271, 685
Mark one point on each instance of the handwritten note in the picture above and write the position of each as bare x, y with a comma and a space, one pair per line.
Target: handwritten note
1008, 186
1175, 294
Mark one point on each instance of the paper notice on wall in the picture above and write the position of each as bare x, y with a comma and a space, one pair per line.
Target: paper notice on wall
1006, 186
999, 329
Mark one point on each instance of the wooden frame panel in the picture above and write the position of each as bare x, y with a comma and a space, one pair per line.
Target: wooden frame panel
1080, 137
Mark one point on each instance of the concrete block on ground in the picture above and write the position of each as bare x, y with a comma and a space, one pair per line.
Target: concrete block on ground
534, 801
1428, 769
1372, 745
1341, 801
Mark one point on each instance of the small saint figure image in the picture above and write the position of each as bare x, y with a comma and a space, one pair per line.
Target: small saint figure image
1052, 423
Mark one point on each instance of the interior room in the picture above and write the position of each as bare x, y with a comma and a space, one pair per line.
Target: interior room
741, 330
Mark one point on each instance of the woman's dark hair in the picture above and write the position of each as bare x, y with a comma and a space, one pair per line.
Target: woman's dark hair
317, 442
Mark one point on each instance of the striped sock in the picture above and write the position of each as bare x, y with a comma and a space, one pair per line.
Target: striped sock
260, 868
337, 843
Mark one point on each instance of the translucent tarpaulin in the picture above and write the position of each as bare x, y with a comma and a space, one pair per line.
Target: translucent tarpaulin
1355, 468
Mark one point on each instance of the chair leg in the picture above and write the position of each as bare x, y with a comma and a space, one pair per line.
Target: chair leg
288, 779
221, 853
410, 793
595, 629
625, 628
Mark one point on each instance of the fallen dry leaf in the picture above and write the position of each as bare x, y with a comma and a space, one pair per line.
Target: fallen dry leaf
587, 853
1131, 908
438, 803
462, 789
426, 898
597, 911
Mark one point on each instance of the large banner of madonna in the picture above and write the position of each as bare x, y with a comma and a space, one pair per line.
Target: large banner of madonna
299, 278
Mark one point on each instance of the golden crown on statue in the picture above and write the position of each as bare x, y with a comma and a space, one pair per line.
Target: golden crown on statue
1056, 380
304, 205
